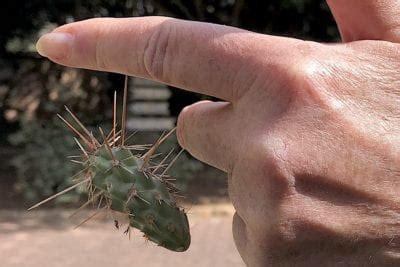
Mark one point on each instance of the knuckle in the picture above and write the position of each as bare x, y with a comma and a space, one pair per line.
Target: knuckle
305, 66
311, 76
158, 51
276, 164
268, 175
307, 72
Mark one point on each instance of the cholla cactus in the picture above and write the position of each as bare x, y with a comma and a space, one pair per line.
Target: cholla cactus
117, 177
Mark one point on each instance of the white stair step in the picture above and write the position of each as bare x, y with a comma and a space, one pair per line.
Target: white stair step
149, 108
150, 124
141, 93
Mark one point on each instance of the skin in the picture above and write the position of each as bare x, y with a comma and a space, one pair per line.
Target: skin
308, 133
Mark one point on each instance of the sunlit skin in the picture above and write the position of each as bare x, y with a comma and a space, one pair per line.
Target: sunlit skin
308, 133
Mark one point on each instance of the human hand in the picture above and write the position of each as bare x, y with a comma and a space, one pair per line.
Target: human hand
308, 133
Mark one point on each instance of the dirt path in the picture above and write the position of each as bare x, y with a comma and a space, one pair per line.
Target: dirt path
46, 238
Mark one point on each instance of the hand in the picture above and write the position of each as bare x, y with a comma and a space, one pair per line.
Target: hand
308, 133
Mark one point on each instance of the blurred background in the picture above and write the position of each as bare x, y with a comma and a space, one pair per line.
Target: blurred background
34, 144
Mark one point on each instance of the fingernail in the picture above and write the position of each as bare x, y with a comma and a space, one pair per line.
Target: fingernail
55, 45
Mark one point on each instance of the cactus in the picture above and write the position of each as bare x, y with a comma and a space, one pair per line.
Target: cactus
129, 183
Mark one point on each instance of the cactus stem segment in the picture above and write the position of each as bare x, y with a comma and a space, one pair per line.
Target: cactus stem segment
134, 193
119, 179
107, 145
126, 169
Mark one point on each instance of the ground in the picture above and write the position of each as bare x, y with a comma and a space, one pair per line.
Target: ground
46, 237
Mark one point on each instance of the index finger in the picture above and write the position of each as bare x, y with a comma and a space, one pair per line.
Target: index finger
206, 58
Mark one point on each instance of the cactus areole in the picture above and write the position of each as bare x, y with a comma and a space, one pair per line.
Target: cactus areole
131, 184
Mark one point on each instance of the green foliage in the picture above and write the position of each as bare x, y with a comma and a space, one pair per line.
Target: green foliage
42, 167
43, 141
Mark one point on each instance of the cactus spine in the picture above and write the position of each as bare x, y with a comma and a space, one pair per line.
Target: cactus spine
130, 183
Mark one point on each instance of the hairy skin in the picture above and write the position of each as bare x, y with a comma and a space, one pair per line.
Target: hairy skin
308, 133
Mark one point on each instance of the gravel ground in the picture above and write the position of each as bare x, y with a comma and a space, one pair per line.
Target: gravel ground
47, 238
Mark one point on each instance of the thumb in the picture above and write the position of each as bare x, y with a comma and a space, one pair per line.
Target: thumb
367, 19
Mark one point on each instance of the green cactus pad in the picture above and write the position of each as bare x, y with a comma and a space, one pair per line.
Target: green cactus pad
135, 191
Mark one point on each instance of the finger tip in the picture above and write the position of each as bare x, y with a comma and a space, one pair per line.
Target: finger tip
54, 45
39, 47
